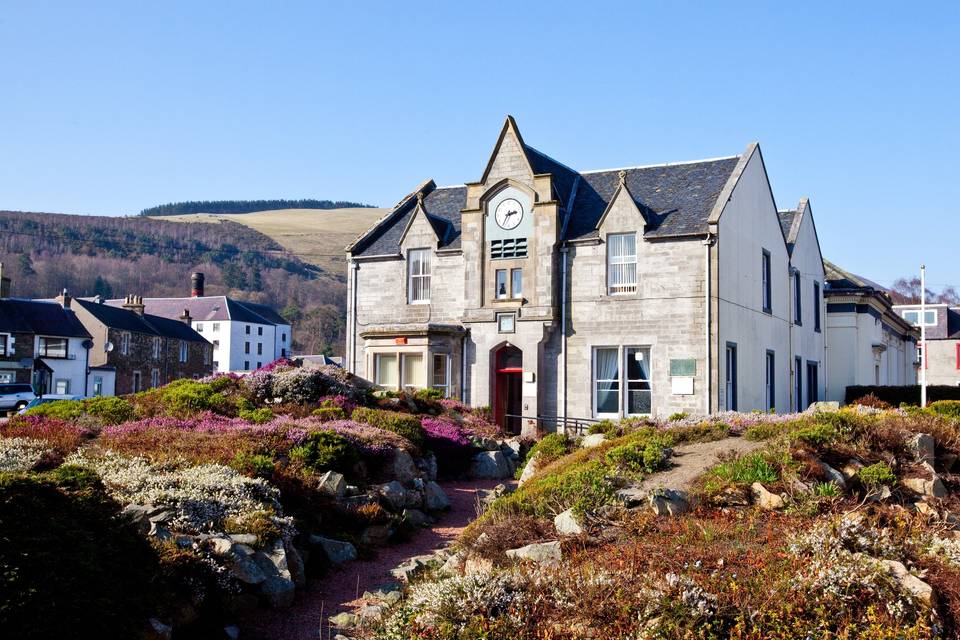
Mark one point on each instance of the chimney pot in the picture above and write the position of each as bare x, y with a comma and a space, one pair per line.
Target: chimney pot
134, 303
196, 285
185, 317
64, 299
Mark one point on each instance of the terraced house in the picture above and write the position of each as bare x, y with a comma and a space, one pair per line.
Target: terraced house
554, 294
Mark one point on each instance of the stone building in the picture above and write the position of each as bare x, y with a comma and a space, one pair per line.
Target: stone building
942, 340
552, 294
133, 350
868, 342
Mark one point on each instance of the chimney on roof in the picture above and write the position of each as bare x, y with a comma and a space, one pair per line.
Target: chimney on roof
134, 303
64, 299
185, 317
4, 284
196, 285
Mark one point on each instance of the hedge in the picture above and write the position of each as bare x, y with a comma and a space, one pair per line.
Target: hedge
900, 395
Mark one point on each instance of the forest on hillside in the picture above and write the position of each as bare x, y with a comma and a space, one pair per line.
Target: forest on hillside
245, 206
44, 253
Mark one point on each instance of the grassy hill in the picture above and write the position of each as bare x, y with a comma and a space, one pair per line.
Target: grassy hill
316, 236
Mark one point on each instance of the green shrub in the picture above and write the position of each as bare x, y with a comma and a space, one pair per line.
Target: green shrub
583, 487
429, 394
402, 424
325, 450
223, 383
326, 414
607, 427
763, 431
643, 455
877, 475
186, 398
745, 470
74, 476
68, 410
680, 415
256, 464
817, 434
109, 409
550, 447
257, 416
948, 408
259, 523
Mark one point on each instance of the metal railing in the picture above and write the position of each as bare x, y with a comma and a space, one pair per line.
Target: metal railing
572, 426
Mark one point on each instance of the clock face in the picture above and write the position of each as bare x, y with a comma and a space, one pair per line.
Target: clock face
509, 214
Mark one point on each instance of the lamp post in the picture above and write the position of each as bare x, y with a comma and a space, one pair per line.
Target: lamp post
923, 335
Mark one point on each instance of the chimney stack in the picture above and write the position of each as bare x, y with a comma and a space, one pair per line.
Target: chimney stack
64, 299
134, 303
4, 284
185, 317
196, 285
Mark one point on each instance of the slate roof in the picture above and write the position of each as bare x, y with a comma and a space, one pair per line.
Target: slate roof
676, 198
787, 219
840, 279
953, 323
39, 317
208, 308
126, 320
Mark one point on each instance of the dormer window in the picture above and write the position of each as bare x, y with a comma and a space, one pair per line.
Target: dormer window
621, 263
418, 276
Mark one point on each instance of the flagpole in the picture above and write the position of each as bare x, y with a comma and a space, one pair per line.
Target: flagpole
923, 335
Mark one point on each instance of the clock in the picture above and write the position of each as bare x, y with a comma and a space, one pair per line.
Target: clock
509, 213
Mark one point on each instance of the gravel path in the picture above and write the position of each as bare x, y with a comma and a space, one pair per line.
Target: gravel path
337, 590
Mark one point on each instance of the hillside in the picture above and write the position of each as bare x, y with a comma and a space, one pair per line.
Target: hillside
317, 237
244, 206
46, 252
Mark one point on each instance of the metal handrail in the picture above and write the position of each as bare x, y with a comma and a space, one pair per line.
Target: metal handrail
574, 426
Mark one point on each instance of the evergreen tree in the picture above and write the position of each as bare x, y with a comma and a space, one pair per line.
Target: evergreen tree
102, 288
26, 265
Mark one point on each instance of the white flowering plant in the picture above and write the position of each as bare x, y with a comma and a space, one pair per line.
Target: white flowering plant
22, 454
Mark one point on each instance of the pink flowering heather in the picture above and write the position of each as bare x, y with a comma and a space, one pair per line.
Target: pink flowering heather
445, 429
61, 435
451, 404
217, 376
279, 363
341, 401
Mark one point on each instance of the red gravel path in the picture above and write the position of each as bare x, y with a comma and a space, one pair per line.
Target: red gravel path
337, 590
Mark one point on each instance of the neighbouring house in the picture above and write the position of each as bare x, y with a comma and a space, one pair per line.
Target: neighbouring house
133, 350
42, 343
868, 342
244, 335
942, 340
553, 294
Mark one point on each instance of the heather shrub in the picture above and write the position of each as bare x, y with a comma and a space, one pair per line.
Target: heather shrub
642, 455
816, 434
450, 444
182, 399
329, 413
877, 475
325, 450
948, 408
63, 437
255, 464
74, 477
429, 394
403, 424
298, 386
66, 410
680, 415
257, 416
872, 401
109, 409
607, 427
22, 454
260, 523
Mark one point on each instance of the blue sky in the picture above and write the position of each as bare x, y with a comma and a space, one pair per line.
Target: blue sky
117, 106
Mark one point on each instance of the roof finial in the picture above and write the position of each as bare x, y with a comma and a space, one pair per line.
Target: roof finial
623, 176
420, 198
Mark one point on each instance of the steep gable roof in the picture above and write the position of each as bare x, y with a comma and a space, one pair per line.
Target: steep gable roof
208, 308
39, 317
127, 320
442, 206
840, 279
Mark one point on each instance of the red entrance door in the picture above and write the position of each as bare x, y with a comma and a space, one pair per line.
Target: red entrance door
508, 388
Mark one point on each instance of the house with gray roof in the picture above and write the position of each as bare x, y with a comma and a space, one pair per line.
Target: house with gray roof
245, 335
942, 340
556, 295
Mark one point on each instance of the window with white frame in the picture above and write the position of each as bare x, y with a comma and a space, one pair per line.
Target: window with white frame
418, 276
441, 373
183, 351
125, 343
61, 387
501, 284
98, 385
913, 317
52, 347
216, 327
621, 263
516, 283
385, 370
199, 327
4, 338
155, 378
156, 349
412, 371
621, 384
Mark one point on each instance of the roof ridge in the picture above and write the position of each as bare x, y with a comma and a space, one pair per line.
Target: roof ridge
663, 164
550, 158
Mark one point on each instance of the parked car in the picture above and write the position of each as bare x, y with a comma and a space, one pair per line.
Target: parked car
14, 395
50, 397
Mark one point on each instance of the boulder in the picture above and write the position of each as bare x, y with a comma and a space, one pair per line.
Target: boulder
592, 440
273, 560
850, 469
246, 570
923, 447
394, 495
157, 630
453, 565
568, 523
232, 632
416, 518
371, 612
295, 565
376, 535
529, 470
278, 591
766, 499
337, 551
833, 475
409, 570
428, 464
345, 620
139, 514
403, 467
220, 545
512, 448
933, 487
538, 552
909, 582
249, 539
434, 498
669, 502
490, 464
414, 499
487, 444
333, 484
824, 407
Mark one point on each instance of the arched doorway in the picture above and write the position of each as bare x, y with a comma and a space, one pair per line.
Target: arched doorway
508, 387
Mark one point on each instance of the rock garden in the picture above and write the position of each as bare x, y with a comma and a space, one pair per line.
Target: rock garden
175, 512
